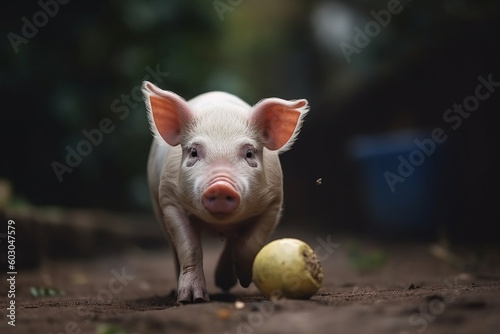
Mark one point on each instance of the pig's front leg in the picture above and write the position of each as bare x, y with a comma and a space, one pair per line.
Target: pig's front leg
185, 238
250, 240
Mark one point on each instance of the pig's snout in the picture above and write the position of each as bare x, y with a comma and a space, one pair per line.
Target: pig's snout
220, 198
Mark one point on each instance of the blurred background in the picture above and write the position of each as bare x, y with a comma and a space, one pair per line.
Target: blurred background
379, 76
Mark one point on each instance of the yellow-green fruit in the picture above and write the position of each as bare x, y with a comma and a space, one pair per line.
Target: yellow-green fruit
287, 268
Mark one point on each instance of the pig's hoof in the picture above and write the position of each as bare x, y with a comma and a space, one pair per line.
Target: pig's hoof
244, 276
187, 296
245, 282
192, 288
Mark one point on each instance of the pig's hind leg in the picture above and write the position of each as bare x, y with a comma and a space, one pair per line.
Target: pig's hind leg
250, 241
225, 275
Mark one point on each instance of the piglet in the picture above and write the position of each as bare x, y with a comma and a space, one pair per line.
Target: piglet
214, 166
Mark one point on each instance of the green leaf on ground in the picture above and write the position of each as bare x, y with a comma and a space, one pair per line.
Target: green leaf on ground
365, 260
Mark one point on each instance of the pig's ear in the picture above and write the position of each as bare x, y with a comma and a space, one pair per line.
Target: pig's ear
280, 121
167, 113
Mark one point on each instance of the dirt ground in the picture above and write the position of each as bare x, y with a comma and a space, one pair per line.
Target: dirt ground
415, 288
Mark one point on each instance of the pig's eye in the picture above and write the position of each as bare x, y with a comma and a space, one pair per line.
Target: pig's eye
193, 153
250, 157
193, 156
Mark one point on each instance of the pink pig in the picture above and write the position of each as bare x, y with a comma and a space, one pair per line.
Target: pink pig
214, 166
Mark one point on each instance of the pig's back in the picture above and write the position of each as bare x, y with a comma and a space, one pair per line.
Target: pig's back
156, 160
216, 98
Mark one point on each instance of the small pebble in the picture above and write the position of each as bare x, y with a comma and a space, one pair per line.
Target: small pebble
223, 313
413, 286
239, 305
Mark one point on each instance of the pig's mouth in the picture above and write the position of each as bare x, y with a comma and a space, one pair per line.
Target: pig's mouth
221, 198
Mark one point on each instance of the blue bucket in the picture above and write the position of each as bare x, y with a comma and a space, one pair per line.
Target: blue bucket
400, 180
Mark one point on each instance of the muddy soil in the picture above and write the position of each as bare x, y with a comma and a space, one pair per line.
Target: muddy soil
415, 289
